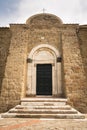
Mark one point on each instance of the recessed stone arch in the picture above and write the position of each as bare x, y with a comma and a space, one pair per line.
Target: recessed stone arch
45, 17
54, 50
44, 20
44, 54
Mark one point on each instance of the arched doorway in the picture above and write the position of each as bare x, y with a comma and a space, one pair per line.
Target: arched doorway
44, 72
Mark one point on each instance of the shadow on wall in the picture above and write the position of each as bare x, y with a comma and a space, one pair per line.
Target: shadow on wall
64, 94
83, 49
5, 37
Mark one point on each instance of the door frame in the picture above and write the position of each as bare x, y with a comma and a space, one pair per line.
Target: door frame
36, 56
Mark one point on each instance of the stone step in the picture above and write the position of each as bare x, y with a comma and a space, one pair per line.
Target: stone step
57, 116
66, 107
43, 99
45, 111
43, 108
53, 107
43, 102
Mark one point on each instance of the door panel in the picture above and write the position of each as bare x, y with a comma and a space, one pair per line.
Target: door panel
44, 79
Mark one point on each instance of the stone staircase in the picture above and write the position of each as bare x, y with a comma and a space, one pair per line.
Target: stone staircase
43, 108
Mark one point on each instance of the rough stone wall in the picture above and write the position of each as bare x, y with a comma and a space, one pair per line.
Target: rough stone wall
43, 36
14, 73
74, 74
5, 38
74, 77
82, 36
17, 41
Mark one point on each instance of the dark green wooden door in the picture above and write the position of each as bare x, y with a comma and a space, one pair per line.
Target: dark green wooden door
44, 79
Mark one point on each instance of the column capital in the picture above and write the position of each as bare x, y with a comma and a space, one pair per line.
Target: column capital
59, 59
29, 60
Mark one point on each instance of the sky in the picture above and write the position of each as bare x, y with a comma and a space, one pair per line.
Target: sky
18, 11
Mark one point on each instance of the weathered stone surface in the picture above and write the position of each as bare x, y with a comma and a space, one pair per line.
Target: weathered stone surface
17, 41
43, 108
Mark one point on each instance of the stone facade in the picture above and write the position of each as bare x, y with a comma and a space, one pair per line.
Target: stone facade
43, 35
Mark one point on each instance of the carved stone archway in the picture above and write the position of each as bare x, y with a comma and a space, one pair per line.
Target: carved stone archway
44, 54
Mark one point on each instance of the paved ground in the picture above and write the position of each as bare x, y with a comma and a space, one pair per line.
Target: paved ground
42, 124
